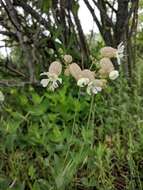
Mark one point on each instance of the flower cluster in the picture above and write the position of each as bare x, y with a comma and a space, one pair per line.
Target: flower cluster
94, 81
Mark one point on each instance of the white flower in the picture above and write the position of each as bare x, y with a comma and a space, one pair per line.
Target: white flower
94, 87
110, 52
114, 74
120, 52
52, 81
83, 82
1, 96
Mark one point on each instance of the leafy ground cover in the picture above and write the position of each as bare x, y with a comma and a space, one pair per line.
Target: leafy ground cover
69, 140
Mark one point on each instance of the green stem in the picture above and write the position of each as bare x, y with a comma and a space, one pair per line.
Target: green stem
73, 127
75, 114
90, 111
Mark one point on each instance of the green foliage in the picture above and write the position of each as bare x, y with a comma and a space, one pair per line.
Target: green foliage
56, 141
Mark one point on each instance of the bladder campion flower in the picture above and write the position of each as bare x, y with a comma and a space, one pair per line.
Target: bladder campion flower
68, 59
106, 66
114, 74
86, 73
85, 77
1, 96
96, 86
82, 82
110, 52
53, 79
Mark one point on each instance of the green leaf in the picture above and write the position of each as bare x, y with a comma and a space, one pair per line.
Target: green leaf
36, 98
56, 135
32, 172
38, 110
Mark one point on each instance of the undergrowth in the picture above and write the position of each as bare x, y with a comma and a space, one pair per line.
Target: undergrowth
67, 140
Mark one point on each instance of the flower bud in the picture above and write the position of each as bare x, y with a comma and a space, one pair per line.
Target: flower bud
44, 82
114, 75
68, 59
51, 51
60, 50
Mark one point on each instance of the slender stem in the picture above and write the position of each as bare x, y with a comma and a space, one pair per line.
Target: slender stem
90, 111
73, 127
12, 184
75, 114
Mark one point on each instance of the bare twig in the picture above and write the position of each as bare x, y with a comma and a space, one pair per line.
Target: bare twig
9, 34
15, 83
111, 6
93, 15
13, 17
27, 8
104, 13
83, 42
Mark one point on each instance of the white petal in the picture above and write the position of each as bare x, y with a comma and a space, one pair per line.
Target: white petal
60, 80
55, 84
94, 91
118, 59
121, 47
44, 73
99, 89
114, 74
44, 82
82, 82
120, 52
